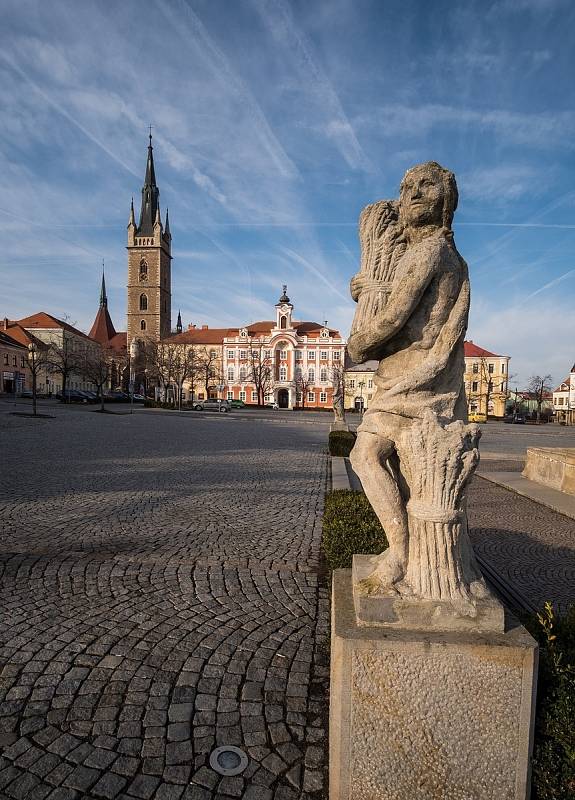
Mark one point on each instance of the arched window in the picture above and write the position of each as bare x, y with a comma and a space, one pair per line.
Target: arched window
143, 269
323, 375
143, 325
230, 373
283, 374
311, 375
283, 322
242, 373
143, 302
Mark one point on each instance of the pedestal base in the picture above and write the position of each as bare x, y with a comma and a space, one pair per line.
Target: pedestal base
484, 614
338, 426
428, 716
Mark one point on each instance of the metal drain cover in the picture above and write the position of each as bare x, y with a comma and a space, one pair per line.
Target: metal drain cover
228, 760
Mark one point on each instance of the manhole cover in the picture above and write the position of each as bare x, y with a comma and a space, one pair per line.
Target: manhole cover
228, 760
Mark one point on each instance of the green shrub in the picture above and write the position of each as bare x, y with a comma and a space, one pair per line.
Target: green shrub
350, 526
341, 443
554, 751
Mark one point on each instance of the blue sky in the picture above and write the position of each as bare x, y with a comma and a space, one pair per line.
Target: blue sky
274, 124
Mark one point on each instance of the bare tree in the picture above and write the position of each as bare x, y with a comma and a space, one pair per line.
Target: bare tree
65, 359
186, 364
303, 383
209, 368
38, 362
539, 386
97, 367
260, 369
159, 358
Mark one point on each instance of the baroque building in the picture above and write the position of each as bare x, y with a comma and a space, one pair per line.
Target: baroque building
486, 381
149, 264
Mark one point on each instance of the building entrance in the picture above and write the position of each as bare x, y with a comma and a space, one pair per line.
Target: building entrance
283, 398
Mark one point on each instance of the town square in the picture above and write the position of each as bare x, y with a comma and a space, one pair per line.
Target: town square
287, 401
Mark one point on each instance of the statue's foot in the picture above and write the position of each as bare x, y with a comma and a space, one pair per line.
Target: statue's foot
389, 570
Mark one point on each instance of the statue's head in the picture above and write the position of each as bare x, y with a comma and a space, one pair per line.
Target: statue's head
428, 196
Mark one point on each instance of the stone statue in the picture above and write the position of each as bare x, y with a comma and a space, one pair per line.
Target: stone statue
414, 453
338, 397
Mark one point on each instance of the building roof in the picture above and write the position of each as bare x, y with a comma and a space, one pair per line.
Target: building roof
7, 341
309, 329
563, 386
20, 335
150, 196
472, 350
103, 328
119, 341
366, 366
43, 321
203, 335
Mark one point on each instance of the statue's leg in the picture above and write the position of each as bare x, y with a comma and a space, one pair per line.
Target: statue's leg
369, 459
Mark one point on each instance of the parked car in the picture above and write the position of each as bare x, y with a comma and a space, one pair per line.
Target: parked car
272, 405
475, 416
212, 405
73, 396
116, 397
139, 398
236, 403
514, 419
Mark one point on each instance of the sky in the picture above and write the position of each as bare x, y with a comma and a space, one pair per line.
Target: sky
275, 122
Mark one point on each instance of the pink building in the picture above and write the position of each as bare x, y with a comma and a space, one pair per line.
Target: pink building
283, 361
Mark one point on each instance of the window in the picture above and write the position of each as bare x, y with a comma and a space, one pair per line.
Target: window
323, 397
370, 384
283, 374
243, 354
212, 372
14, 361
323, 355
230, 373
230, 395
283, 355
254, 397
503, 369
311, 355
230, 353
267, 353
311, 375
22, 361
352, 384
254, 354
243, 396
213, 354
298, 397
474, 386
311, 397
475, 369
269, 398
243, 373
6, 359
336, 355
298, 355
298, 373
491, 367
143, 325
323, 375
143, 302
143, 269
283, 322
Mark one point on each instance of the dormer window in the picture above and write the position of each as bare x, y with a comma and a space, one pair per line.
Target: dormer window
324, 333
244, 333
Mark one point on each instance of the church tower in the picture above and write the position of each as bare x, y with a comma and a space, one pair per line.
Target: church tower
149, 264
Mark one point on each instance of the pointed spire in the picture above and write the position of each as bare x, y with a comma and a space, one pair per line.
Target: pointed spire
179, 323
132, 220
157, 220
103, 297
167, 225
150, 196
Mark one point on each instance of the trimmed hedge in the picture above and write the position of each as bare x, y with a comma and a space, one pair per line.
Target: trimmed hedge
350, 526
341, 443
554, 751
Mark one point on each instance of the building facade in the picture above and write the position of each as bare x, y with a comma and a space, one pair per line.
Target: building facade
282, 361
486, 381
359, 384
149, 264
15, 375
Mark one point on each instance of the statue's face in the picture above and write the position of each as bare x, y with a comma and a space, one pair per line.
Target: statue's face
421, 199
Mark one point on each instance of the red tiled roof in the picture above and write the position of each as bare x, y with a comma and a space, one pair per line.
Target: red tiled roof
310, 329
119, 341
22, 336
200, 336
473, 351
42, 320
8, 341
103, 329
563, 386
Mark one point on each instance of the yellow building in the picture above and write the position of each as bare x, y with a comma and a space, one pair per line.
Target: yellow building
486, 381
359, 384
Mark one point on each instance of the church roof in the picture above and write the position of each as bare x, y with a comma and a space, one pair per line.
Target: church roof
103, 328
119, 341
150, 196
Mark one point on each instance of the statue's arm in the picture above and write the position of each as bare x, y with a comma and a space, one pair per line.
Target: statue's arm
402, 302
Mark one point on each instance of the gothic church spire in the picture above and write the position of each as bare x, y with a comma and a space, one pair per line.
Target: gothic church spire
150, 197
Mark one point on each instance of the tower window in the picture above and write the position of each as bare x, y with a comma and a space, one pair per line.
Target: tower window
143, 269
283, 322
143, 325
143, 302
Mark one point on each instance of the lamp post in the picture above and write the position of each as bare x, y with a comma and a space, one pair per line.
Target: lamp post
133, 356
361, 384
32, 351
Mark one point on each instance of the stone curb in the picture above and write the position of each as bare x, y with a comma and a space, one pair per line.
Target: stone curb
551, 498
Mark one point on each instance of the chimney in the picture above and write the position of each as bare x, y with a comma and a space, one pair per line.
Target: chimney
5, 324
204, 327
191, 326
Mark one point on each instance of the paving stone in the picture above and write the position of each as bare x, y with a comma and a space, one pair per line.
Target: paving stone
143, 786
82, 778
109, 786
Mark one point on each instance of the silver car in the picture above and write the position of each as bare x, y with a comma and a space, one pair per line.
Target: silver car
212, 405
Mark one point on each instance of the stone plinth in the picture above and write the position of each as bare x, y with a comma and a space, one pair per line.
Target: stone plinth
338, 426
407, 613
552, 466
428, 716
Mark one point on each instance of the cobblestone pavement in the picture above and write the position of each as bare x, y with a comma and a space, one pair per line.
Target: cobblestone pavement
528, 544
161, 596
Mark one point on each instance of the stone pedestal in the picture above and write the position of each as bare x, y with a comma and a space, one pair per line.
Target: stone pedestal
552, 466
338, 426
428, 716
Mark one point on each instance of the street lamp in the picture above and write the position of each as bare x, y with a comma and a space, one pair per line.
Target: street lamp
361, 384
32, 351
133, 356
